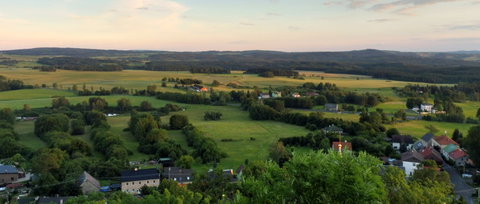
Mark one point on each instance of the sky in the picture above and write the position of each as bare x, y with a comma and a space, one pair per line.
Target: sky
283, 25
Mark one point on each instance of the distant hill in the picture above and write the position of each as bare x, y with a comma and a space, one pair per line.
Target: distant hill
444, 67
71, 52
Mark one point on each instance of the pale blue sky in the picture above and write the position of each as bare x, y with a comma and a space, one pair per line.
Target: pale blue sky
287, 25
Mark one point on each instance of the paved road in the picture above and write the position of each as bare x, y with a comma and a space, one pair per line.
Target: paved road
460, 186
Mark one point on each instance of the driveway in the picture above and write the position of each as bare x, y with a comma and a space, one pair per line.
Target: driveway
461, 188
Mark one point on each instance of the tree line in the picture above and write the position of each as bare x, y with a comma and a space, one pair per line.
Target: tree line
458, 93
361, 175
82, 64
12, 84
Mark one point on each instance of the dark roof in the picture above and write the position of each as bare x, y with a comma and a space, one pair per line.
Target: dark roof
51, 200
402, 139
8, 169
412, 157
140, 174
418, 145
427, 137
178, 174
331, 105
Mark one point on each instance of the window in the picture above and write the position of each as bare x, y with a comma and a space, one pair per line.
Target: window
153, 181
139, 182
126, 184
148, 181
133, 183
188, 177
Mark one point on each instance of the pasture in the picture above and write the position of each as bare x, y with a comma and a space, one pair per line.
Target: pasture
139, 79
235, 125
250, 140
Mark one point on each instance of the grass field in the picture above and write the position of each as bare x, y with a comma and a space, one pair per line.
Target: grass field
417, 128
235, 125
139, 79
47, 102
32, 94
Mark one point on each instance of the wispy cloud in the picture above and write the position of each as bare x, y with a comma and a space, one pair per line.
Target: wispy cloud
273, 14
246, 24
473, 26
405, 7
293, 28
381, 20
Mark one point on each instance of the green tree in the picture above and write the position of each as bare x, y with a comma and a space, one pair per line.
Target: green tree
185, 162
478, 113
60, 102
145, 106
54, 122
318, 177
178, 121
279, 153
457, 136
124, 105
392, 131
216, 83
472, 143
26, 107
97, 103
414, 102
7, 115
78, 127
156, 135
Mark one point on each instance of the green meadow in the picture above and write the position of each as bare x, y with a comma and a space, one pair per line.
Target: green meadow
251, 140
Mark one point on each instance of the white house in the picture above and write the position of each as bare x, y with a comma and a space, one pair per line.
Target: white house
411, 161
426, 107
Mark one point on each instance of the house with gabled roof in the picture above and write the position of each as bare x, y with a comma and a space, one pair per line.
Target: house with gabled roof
402, 140
411, 161
459, 156
333, 107
448, 149
427, 139
8, 174
88, 184
430, 153
180, 175
443, 141
133, 180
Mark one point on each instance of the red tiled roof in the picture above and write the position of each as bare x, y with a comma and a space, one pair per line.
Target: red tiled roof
457, 154
344, 144
444, 140
432, 154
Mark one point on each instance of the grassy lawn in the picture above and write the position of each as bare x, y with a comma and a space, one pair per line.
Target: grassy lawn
470, 108
32, 94
25, 133
235, 125
139, 79
417, 128
47, 102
